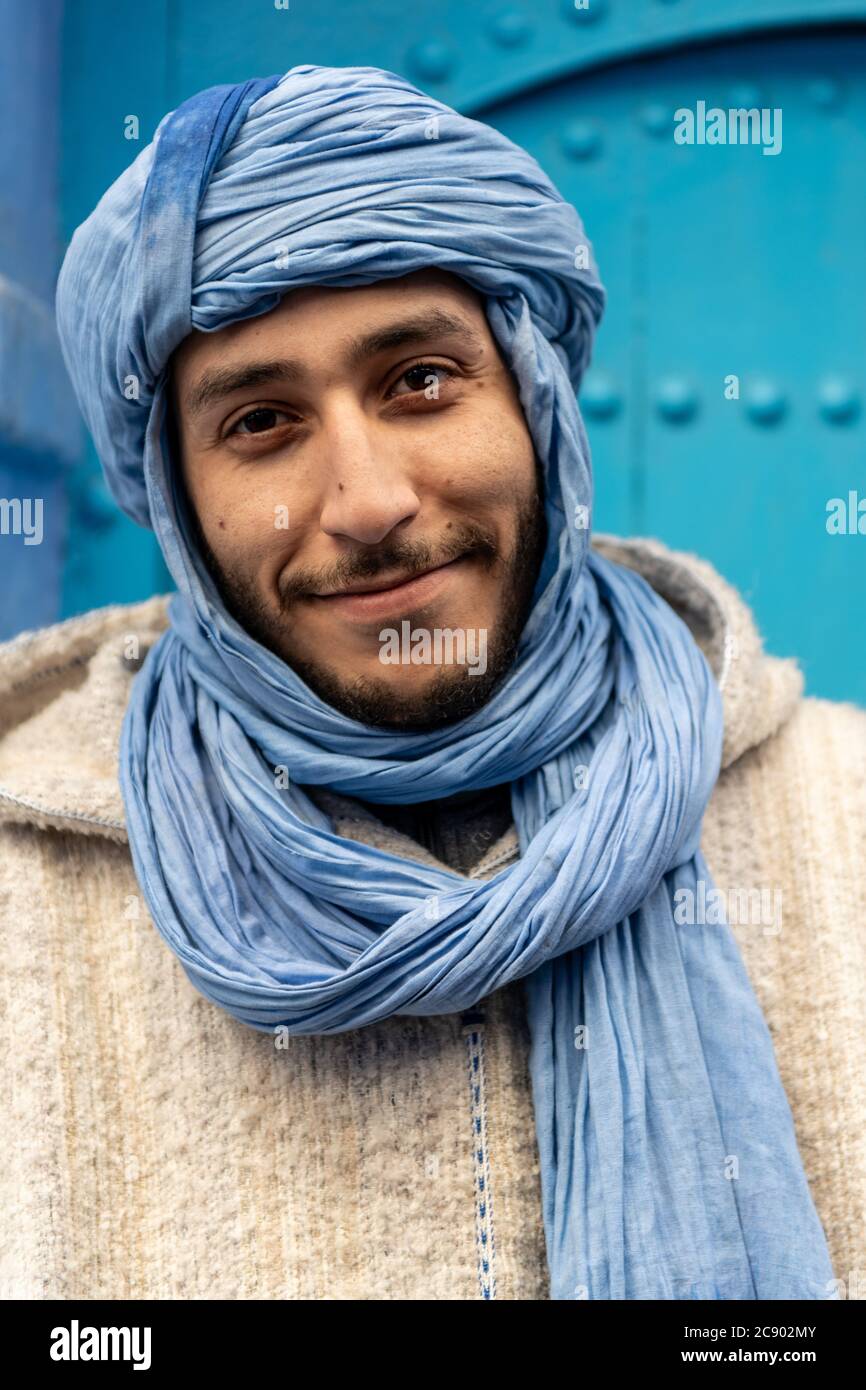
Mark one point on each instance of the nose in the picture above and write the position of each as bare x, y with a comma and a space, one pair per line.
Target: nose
367, 491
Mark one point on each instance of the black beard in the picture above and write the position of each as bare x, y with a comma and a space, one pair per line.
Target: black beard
454, 693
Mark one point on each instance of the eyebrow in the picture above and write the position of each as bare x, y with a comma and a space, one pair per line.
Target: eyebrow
218, 382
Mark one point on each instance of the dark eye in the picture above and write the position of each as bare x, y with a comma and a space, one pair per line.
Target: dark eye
258, 421
419, 376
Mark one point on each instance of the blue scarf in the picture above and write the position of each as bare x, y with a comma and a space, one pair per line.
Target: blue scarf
669, 1163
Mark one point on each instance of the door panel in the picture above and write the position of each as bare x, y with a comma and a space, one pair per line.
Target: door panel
722, 261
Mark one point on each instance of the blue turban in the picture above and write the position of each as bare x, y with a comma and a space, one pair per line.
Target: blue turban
652, 1068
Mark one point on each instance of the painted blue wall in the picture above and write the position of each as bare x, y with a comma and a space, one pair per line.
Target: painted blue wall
40, 433
720, 262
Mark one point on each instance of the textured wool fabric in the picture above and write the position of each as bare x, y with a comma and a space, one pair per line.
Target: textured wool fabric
668, 1157
159, 1149
456, 829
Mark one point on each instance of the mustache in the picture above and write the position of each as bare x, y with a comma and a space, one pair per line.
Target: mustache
413, 557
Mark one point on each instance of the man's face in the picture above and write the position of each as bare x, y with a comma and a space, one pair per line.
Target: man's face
366, 439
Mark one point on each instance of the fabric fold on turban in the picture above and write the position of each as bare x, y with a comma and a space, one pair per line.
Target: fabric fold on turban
669, 1162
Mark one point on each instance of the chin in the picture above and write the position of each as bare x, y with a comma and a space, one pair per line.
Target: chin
400, 698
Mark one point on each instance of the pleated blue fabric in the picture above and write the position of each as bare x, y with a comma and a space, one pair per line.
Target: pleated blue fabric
669, 1160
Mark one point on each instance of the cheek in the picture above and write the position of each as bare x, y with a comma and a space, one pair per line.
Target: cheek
245, 517
491, 457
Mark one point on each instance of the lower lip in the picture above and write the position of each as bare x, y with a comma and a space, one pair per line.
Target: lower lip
402, 598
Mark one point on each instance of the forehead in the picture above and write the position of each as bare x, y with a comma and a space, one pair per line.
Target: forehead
324, 314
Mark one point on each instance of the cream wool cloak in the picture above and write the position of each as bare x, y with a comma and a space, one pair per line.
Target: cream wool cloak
156, 1148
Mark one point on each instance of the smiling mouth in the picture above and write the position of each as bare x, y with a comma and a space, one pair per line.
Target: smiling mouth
399, 596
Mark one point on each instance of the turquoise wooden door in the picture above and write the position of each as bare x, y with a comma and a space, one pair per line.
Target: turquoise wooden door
725, 405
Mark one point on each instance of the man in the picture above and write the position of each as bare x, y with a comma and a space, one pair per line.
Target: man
409, 778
